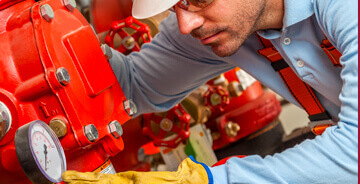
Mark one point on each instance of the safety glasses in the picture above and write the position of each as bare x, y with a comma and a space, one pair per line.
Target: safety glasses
192, 5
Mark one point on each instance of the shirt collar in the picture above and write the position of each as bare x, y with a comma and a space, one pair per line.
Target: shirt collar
295, 12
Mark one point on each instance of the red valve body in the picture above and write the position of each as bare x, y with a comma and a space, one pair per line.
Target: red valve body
253, 110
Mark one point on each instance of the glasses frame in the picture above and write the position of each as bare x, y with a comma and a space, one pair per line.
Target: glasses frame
185, 4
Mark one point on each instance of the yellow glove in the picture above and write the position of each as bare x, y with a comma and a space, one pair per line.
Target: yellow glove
188, 172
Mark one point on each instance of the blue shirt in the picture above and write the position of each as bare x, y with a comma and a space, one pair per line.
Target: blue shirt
173, 65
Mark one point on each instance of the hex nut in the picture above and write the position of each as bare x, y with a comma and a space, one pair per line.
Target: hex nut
130, 107
70, 4
166, 124
116, 129
47, 12
91, 132
63, 76
129, 42
107, 51
215, 99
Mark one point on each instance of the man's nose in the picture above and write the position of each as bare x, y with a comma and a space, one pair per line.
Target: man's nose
187, 20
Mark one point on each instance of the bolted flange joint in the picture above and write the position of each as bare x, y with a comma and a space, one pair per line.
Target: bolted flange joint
116, 129
107, 51
63, 76
47, 12
70, 4
91, 132
130, 107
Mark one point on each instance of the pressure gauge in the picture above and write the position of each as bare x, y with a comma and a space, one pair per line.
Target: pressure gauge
40, 153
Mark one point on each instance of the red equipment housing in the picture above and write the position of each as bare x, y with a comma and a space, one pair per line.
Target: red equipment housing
33, 48
252, 111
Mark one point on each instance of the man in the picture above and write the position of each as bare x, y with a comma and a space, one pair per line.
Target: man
175, 63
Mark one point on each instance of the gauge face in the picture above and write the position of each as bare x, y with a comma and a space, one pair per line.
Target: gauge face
40, 153
46, 153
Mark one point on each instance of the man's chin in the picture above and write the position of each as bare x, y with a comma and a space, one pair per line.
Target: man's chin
223, 51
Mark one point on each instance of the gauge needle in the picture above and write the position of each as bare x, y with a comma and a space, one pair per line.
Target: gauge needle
45, 152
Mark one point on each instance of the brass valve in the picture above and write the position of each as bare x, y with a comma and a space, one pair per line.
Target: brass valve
194, 105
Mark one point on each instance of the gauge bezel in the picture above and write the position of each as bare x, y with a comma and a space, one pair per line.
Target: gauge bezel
26, 155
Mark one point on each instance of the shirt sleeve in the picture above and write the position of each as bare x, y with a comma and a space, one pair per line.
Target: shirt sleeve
166, 70
333, 156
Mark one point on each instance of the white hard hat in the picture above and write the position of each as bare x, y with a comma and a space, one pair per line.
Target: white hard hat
147, 8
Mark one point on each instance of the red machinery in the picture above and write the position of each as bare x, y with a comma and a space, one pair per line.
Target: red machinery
250, 109
54, 70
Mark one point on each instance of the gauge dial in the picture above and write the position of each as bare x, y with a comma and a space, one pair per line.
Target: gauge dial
40, 153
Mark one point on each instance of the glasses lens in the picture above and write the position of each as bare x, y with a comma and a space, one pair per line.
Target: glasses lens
194, 5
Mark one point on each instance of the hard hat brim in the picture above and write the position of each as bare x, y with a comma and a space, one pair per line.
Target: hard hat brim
147, 8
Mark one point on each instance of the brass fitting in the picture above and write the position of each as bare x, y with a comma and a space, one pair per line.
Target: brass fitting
232, 129
59, 127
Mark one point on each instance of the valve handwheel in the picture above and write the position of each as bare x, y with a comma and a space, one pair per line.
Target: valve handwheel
129, 42
216, 98
167, 124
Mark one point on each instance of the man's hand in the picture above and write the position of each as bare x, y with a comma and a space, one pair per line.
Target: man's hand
188, 172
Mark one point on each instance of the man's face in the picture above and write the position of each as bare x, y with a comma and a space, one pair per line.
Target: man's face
224, 24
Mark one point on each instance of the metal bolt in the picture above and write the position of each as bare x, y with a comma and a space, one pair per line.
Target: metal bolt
91, 132
232, 129
129, 42
215, 99
166, 124
5, 120
47, 12
130, 107
59, 127
107, 51
116, 129
70, 4
63, 76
